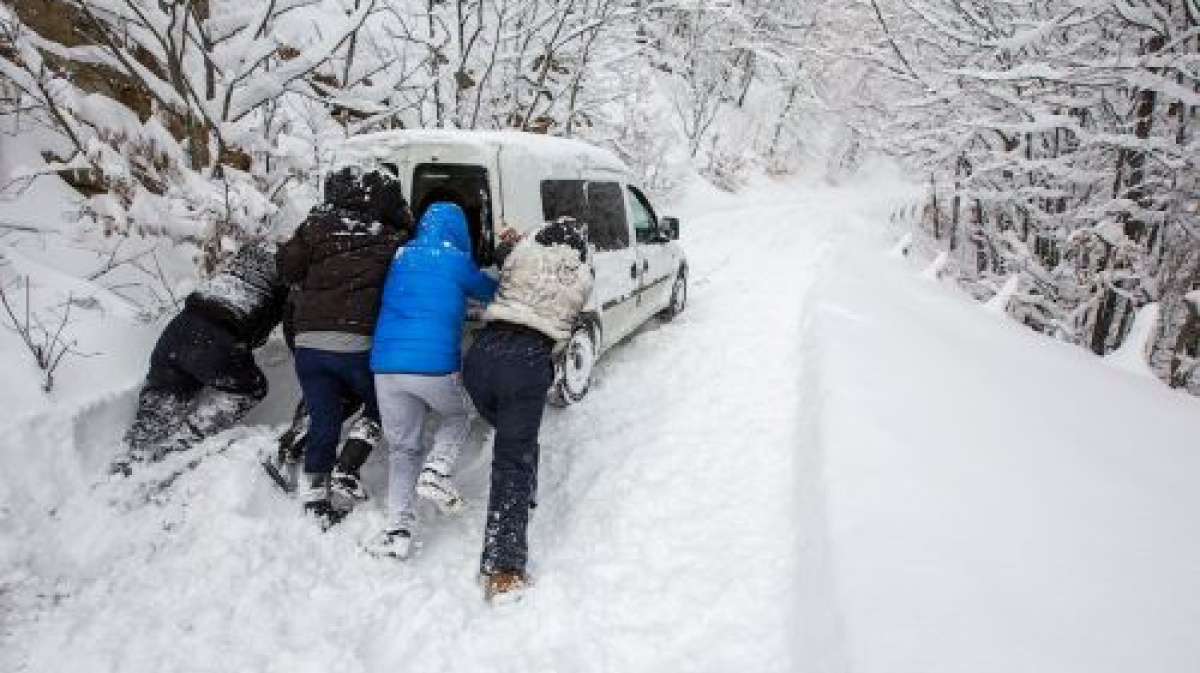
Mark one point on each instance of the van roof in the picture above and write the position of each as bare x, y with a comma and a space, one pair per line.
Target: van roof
380, 143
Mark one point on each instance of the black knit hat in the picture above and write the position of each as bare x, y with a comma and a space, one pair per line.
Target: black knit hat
565, 231
375, 193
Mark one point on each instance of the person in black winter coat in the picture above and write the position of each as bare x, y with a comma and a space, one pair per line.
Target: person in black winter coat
339, 258
209, 345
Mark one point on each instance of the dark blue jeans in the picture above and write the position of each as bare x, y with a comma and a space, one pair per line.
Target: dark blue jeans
328, 379
507, 373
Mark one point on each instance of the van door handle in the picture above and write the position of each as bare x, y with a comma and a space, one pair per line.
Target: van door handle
633, 271
645, 266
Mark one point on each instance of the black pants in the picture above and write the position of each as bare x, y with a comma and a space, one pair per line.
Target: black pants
193, 353
507, 373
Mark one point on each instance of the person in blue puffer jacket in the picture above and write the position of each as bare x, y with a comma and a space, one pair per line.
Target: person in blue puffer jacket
416, 360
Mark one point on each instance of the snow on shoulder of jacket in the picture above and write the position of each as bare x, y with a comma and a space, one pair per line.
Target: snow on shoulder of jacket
543, 287
247, 296
419, 330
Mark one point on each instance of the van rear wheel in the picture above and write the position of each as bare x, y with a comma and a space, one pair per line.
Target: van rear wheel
573, 367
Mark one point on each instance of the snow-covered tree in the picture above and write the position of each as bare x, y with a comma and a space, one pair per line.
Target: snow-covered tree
1060, 138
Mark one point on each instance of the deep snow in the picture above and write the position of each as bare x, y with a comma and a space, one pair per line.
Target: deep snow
827, 463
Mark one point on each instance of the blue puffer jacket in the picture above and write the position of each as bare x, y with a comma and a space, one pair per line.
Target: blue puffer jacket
424, 299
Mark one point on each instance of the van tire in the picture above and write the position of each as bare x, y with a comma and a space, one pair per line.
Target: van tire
679, 297
573, 367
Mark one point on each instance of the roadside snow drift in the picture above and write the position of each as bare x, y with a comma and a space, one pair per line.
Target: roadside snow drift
998, 501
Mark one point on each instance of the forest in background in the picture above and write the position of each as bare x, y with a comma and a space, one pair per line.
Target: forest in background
1056, 136
1058, 139
197, 118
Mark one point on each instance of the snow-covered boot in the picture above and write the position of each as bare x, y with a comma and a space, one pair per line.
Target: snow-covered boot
215, 413
325, 513
394, 543
283, 465
317, 504
362, 439
295, 438
434, 485
282, 469
347, 486
219, 411
159, 414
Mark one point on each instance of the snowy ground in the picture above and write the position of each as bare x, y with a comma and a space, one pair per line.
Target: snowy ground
827, 463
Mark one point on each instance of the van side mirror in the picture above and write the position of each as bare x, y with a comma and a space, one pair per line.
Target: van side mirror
669, 228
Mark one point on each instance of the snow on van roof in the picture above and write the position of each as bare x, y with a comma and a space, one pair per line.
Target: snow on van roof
380, 143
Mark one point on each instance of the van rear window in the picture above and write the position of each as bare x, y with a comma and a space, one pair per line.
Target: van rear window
600, 205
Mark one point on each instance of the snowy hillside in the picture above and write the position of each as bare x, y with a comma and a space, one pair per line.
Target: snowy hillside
812, 469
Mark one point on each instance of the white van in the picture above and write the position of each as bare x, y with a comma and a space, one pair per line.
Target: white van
521, 180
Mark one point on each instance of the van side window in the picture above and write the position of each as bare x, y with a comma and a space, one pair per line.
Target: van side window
607, 227
562, 198
597, 204
645, 224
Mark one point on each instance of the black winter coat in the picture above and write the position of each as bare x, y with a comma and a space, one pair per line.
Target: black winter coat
339, 256
247, 297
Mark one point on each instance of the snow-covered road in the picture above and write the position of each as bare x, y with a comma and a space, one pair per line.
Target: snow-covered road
807, 471
668, 535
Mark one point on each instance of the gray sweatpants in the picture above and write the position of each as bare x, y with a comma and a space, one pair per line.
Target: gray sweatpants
404, 400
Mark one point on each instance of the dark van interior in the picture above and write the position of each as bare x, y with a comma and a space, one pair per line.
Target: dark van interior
466, 186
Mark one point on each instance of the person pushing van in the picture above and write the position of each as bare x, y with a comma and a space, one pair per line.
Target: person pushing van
339, 257
209, 345
545, 281
416, 359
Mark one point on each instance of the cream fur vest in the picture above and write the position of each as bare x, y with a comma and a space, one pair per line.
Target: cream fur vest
542, 287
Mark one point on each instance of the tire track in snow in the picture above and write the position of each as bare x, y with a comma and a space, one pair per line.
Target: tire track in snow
696, 501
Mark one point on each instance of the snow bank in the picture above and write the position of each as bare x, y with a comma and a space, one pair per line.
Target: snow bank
1133, 354
997, 501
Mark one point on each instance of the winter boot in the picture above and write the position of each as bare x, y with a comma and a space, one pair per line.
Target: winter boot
362, 439
282, 469
347, 486
325, 513
394, 543
160, 413
131, 457
283, 465
295, 438
317, 504
434, 485
504, 586
217, 412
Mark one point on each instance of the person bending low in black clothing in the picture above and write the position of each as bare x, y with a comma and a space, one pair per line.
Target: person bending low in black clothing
203, 377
